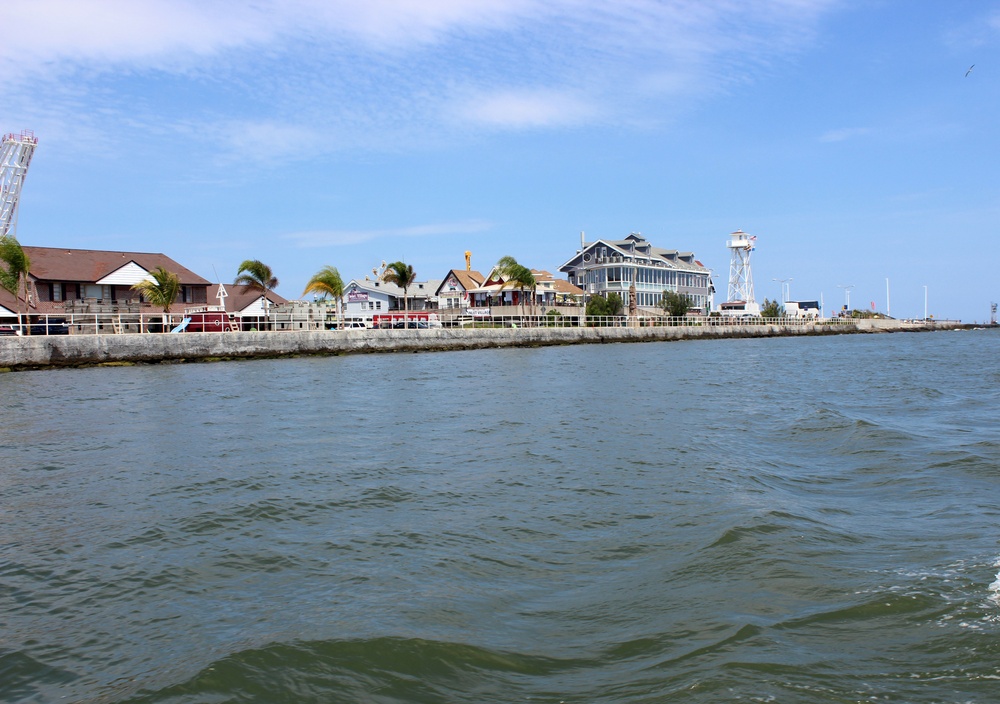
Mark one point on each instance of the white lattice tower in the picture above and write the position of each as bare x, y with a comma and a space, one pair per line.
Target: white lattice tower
740, 277
15, 156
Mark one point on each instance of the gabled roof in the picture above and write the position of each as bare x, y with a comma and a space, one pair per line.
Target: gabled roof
8, 303
418, 289
240, 296
563, 286
90, 265
467, 279
636, 247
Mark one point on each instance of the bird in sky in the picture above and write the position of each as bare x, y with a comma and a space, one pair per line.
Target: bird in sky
970, 70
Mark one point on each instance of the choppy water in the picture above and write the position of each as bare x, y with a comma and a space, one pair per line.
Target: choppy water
793, 520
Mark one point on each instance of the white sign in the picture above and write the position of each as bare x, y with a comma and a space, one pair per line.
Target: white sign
355, 296
478, 312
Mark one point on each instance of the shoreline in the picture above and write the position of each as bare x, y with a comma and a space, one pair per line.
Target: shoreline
72, 351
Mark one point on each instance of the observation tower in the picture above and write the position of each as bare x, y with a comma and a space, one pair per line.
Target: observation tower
741, 299
15, 156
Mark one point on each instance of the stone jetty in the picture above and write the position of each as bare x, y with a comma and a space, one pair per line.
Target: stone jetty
34, 352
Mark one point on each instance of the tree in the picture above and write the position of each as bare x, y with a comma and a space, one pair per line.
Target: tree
675, 304
400, 274
599, 306
14, 273
327, 283
257, 276
160, 291
516, 276
772, 309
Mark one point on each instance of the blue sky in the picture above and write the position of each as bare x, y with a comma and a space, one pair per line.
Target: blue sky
845, 134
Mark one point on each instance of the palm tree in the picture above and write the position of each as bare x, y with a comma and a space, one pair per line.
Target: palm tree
161, 291
327, 282
14, 273
516, 275
257, 276
402, 275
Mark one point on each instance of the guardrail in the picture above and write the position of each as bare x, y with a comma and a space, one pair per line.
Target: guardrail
135, 323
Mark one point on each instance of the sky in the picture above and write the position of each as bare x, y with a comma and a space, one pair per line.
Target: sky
849, 136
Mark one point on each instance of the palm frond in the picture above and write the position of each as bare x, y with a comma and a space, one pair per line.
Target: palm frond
255, 275
326, 282
161, 290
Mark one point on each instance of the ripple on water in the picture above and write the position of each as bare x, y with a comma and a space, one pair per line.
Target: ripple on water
628, 523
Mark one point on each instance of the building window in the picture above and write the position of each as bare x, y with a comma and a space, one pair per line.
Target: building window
378, 305
56, 292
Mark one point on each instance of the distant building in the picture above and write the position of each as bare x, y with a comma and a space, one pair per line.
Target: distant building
98, 283
605, 266
366, 298
245, 305
550, 291
453, 293
803, 309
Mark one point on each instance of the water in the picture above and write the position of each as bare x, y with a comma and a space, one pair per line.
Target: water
804, 520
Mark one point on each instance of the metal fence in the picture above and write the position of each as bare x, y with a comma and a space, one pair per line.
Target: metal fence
136, 323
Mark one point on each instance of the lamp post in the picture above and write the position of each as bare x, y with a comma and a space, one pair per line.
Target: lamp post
786, 289
847, 294
888, 310
925, 302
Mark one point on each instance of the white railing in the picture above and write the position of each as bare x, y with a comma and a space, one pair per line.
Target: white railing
145, 323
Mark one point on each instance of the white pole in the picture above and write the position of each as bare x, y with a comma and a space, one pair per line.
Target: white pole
925, 303
888, 310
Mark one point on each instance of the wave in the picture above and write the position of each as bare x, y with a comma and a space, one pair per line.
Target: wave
386, 669
23, 677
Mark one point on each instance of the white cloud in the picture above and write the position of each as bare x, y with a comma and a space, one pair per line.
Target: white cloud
308, 77
330, 238
113, 32
527, 108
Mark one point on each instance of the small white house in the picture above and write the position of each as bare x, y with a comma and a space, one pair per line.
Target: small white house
367, 298
803, 309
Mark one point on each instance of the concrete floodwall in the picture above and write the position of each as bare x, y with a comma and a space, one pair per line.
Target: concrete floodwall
79, 350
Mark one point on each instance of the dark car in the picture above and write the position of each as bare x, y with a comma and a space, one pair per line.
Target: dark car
50, 326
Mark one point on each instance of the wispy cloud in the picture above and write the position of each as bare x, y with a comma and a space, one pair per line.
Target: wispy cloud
325, 75
330, 238
527, 108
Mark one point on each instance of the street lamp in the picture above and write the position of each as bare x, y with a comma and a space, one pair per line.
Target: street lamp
925, 302
786, 289
847, 294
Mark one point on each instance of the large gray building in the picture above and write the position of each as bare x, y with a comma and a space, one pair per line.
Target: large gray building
612, 266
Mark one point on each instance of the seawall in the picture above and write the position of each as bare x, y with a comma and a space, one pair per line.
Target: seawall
84, 350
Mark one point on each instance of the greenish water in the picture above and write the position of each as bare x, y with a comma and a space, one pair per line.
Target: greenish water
804, 520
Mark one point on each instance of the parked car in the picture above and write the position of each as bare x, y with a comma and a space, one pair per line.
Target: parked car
50, 326
348, 325
10, 330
